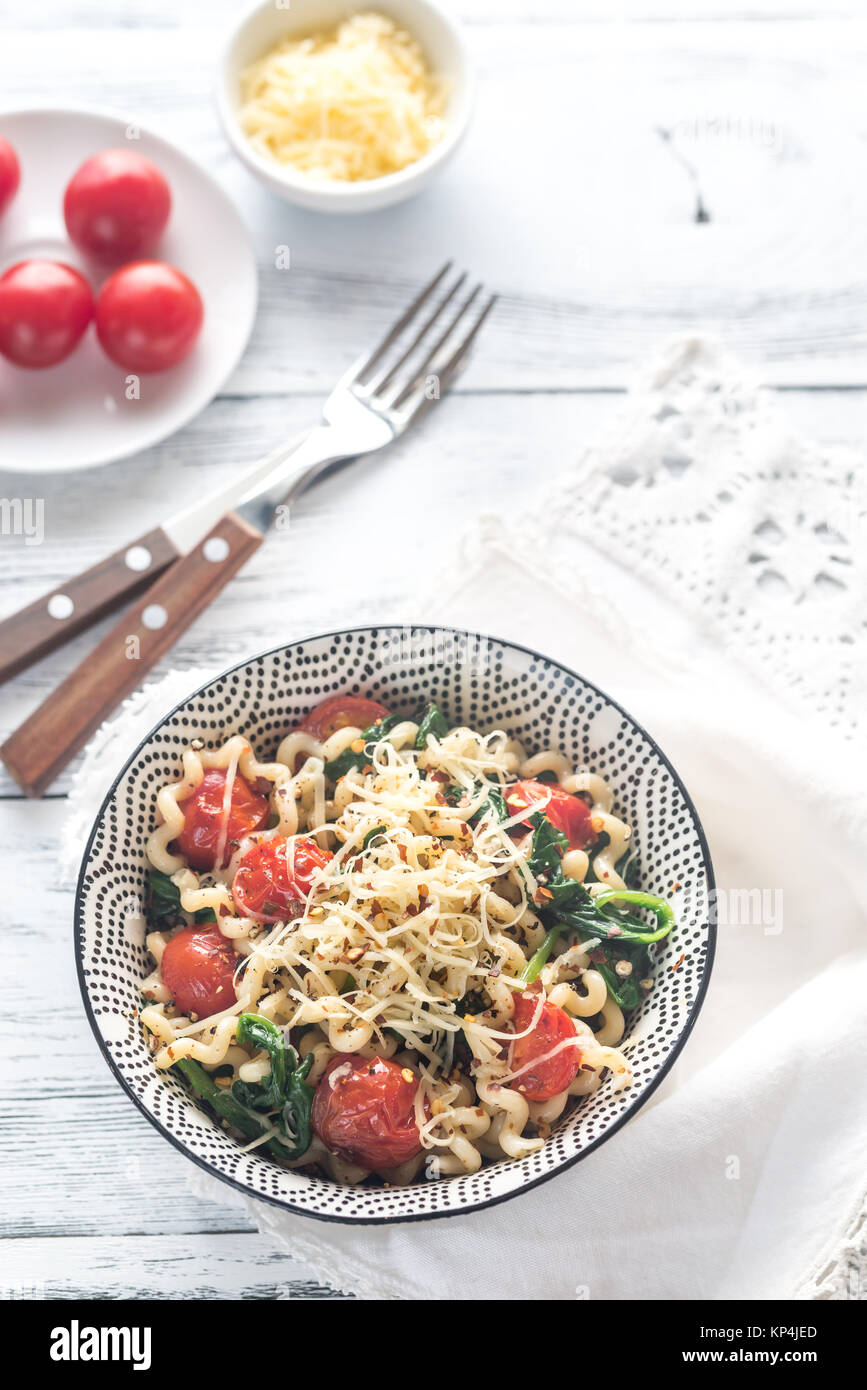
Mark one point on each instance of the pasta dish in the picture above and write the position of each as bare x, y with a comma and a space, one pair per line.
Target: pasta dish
399, 950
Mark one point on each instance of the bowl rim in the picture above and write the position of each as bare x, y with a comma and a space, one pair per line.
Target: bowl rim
404, 1217
347, 196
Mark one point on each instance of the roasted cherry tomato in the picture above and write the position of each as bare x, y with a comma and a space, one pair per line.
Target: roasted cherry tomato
10, 173
547, 1078
365, 1110
274, 877
198, 970
199, 840
116, 205
340, 711
45, 307
565, 811
148, 316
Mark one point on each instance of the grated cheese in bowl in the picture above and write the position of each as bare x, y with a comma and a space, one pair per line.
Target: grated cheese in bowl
356, 103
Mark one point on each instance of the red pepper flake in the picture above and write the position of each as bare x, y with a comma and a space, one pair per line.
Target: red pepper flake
401, 853
679, 963
440, 799
440, 776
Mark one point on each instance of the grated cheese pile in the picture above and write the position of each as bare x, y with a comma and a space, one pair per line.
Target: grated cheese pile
407, 914
356, 103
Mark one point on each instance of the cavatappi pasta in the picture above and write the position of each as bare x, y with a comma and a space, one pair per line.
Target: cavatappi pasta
398, 950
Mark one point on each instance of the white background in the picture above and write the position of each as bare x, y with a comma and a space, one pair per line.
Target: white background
573, 199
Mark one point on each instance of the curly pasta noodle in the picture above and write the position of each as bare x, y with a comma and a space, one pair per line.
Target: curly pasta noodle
413, 938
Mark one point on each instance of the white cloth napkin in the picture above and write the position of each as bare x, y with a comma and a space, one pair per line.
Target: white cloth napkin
745, 1175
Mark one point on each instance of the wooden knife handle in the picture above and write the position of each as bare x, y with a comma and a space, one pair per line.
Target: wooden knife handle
37, 751
35, 631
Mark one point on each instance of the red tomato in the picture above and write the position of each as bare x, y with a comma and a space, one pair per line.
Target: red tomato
565, 811
548, 1078
368, 1114
203, 818
148, 316
117, 205
340, 711
10, 173
45, 307
263, 886
198, 970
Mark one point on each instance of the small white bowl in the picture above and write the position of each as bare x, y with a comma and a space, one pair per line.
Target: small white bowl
265, 26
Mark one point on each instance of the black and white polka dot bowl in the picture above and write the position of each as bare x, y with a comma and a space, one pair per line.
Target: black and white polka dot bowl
479, 681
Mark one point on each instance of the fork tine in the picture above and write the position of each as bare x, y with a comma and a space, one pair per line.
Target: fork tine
379, 383
365, 363
397, 397
414, 404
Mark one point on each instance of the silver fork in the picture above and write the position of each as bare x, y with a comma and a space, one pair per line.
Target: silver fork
377, 399
375, 402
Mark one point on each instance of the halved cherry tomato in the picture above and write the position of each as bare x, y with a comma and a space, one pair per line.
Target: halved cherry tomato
203, 818
197, 969
264, 886
555, 1074
341, 711
565, 811
365, 1109
45, 307
148, 316
10, 173
116, 205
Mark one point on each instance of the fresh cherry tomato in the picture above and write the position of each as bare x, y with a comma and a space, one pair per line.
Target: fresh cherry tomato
565, 811
45, 307
116, 205
365, 1110
10, 173
148, 316
555, 1074
198, 970
341, 711
264, 886
199, 840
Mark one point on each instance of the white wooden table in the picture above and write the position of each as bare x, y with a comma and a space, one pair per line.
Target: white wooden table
599, 128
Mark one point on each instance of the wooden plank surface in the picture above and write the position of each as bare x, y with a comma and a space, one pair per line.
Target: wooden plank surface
597, 252
231, 1264
587, 227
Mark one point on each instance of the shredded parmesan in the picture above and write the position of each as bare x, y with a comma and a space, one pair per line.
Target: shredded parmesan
356, 103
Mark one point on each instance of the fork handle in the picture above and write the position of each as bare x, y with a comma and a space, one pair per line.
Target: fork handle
36, 630
37, 751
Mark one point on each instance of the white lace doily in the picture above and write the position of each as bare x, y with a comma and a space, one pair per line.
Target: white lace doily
700, 487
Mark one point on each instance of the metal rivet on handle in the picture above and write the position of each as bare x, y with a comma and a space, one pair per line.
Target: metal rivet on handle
60, 606
137, 558
215, 549
154, 616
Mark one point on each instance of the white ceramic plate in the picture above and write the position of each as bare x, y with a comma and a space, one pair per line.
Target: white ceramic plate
78, 414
